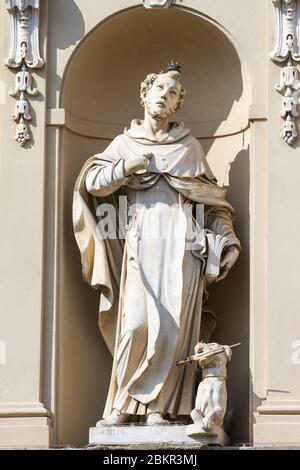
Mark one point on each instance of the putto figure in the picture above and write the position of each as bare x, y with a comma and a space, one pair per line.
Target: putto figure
211, 398
151, 287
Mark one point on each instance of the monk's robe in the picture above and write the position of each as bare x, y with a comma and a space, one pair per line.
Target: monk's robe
152, 279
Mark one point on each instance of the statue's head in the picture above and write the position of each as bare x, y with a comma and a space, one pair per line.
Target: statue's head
162, 93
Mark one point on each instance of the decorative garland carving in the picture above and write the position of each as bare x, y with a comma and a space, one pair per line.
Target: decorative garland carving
24, 53
288, 50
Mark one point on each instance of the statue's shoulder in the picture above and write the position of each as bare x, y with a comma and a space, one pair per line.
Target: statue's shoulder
115, 145
194, 140
191, 141
118, 139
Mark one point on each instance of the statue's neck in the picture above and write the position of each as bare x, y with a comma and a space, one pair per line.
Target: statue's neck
152, 127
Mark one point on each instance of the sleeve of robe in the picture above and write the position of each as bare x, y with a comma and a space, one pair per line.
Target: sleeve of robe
220, 221
101, 258
102, 181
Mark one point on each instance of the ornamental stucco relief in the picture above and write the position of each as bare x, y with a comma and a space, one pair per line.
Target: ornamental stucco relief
25, 53
287, 51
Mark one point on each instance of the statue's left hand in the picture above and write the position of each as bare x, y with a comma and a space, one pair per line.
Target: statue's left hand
228, 261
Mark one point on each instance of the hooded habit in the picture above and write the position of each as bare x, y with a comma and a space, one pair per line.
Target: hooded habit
171, 279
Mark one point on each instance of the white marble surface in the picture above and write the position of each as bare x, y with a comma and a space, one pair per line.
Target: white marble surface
167, 434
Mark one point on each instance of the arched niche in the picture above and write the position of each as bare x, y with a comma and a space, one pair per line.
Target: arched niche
100, 95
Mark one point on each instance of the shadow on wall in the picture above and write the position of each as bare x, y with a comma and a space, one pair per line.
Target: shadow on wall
230, 302
71, 25
68, 29
84, 361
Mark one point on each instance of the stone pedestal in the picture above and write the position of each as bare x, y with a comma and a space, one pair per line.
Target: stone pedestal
173, 435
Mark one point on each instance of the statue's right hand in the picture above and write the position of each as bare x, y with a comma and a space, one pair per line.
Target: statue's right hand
136, 164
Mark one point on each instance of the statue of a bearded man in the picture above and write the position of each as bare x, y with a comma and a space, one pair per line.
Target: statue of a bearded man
152, 288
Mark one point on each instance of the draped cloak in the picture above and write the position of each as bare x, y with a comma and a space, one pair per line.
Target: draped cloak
178, 158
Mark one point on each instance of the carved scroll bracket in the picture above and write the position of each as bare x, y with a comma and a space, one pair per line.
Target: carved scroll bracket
287, 51
24, 53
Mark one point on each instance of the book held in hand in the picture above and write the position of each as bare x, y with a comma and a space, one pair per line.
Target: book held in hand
215, 246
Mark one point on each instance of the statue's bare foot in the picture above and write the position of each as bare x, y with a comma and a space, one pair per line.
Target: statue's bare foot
196, 416
207, 423
114, 419
156, 418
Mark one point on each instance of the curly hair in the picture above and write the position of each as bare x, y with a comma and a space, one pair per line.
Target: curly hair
150, 79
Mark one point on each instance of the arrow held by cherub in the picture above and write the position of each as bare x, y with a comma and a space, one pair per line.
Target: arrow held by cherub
197, 357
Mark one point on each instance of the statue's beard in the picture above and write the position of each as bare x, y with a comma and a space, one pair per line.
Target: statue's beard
160, 115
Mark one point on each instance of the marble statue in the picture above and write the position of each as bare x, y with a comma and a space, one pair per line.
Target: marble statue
211, 398
152, 288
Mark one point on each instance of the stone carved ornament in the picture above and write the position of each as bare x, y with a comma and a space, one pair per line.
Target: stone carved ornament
157, 3
24, 53
287, 51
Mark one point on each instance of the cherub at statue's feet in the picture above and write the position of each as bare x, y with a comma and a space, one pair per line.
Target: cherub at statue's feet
114, 419
156, 418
